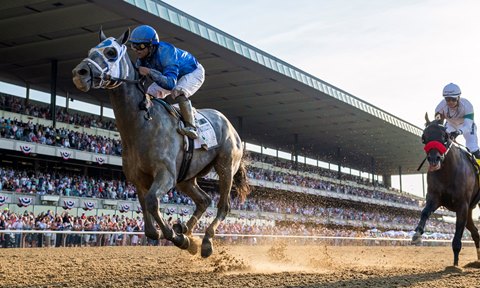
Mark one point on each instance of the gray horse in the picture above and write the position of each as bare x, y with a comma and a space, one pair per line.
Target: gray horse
153, 151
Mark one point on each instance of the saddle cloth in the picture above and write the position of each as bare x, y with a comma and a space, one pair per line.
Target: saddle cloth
206, 134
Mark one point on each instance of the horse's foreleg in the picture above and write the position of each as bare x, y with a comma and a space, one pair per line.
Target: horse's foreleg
459, 228
225, 185
152, 205
150, 230
430, 207
474, 232
199, 197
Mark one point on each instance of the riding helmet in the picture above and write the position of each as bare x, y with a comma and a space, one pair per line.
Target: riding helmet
451, 91
144, 34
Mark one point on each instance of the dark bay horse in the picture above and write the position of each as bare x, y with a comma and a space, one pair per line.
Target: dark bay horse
153, 150
452, 183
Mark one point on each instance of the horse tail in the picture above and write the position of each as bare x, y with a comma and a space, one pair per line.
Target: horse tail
241, 182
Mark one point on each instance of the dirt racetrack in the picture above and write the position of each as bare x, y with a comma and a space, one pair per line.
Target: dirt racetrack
238, 266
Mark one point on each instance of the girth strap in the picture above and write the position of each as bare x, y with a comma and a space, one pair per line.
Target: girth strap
187, 160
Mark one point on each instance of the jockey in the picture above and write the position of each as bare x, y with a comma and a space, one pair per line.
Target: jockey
459, 115
173, 71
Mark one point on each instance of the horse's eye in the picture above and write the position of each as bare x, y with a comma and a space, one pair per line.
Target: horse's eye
111, 54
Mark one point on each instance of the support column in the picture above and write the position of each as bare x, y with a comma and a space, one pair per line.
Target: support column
387, 180
67, 100
372, 167
400, 177
295, 151
53, 91
339, 163
27, 93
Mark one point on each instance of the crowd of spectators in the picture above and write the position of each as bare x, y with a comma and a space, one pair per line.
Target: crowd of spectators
65, 222
48, 221
56, 183
59, 137
305, 207
21, 106
309, 176
299, 180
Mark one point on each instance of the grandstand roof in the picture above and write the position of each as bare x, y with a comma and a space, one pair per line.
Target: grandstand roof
270, 102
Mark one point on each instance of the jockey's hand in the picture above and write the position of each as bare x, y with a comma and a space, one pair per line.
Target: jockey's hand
143, 70
454, 134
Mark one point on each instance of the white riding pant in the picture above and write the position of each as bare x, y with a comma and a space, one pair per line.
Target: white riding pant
188, 84
471, 140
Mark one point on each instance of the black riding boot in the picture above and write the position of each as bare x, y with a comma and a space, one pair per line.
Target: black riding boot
476, 154
186, 110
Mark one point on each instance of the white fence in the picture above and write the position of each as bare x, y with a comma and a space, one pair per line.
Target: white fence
47, 238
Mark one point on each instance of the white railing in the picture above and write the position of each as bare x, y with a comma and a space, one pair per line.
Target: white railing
250, 239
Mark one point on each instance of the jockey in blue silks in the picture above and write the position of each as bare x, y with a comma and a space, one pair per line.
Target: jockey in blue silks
173, 71
459, 115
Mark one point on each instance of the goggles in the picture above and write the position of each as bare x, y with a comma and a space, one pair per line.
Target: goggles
139, 46
451, 99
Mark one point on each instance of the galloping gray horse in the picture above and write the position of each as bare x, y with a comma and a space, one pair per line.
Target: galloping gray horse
153, 151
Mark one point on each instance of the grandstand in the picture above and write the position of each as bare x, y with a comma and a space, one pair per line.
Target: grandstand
56, 159
43, 180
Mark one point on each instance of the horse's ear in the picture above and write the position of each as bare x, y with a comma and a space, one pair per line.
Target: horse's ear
439, 118
101, 35
124, 38
427, 121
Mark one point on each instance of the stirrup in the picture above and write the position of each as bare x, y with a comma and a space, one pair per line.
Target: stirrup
188, 131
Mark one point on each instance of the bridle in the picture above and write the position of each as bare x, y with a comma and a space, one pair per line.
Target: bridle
443, 147
115, 70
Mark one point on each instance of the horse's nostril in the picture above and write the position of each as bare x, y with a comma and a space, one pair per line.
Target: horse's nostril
82, 72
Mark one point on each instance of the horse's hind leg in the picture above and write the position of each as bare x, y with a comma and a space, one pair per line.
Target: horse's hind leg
225, 182
474, 232
201, 199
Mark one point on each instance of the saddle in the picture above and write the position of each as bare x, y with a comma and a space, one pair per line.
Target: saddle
475, 162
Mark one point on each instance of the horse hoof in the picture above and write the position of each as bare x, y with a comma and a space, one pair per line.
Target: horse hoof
179, 228
207, 248
182, 242
416, 239
194, 244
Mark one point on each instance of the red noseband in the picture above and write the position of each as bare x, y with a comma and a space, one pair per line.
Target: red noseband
435, 145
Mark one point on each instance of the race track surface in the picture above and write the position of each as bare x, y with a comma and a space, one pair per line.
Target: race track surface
278, 265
